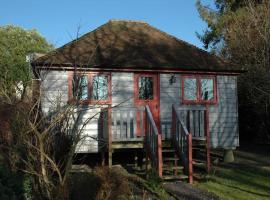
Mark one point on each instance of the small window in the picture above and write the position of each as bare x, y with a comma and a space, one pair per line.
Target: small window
100, 87
199, 89
80, 87
207, 89
146, 91
190, 89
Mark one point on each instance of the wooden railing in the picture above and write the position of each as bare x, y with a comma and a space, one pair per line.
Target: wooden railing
182, 141
153, 143
127, 123
194, 119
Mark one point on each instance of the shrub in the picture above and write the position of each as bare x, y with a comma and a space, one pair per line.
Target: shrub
14, 185
114, 185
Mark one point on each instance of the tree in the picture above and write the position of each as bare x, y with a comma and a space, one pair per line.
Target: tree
15, 44
240, 31
42, 146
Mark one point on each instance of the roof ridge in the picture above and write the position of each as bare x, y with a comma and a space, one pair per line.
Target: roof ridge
126, 20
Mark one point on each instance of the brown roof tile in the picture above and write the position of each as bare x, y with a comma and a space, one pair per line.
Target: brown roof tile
133, 44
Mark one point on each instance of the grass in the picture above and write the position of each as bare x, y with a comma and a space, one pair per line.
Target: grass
240, 180
154, 184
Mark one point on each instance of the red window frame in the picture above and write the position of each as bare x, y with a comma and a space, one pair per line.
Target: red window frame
199, 100
90, 76
139, 101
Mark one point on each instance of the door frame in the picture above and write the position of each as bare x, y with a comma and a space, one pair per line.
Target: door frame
156, 95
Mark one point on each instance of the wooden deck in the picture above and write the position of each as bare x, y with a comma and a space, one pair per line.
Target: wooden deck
135, 143
135, 128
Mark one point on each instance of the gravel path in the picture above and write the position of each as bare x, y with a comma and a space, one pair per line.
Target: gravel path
187, 192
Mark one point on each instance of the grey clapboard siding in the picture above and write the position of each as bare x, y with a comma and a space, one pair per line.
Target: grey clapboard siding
122, 89
54, 89
169, 95
223, 117
122, 95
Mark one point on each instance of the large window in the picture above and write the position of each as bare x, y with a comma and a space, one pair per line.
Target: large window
199, 89
89, 88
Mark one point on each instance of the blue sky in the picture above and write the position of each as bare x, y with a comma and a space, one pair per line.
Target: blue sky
58, 20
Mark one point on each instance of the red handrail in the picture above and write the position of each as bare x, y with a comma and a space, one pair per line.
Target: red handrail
153, 142
182, 141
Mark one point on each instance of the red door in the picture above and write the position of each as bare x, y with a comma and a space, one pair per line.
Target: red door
146, 92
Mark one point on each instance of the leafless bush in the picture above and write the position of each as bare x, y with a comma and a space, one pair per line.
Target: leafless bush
113, 184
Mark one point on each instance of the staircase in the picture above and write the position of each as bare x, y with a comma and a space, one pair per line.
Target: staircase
189, 145
200, 155
172, 168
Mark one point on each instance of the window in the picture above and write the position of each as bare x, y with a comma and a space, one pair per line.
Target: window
190, 89
90, 88
199, 89
80, 87
100, 89
207, 89
145, 85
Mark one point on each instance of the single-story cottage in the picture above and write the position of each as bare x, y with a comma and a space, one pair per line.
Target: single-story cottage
147, 90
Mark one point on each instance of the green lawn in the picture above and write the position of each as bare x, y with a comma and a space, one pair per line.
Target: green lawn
247, 179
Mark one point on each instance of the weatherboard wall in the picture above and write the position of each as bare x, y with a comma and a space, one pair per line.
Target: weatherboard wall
223, 117
54, 90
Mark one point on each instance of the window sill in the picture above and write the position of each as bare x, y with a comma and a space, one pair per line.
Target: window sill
186, 102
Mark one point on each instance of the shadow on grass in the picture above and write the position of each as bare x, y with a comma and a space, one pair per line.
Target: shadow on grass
251, 180
243, 190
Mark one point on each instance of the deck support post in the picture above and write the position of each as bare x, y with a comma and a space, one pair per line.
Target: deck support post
110, 159
110, 136
102, 158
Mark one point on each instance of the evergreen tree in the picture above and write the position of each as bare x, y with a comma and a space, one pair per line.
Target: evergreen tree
239, 30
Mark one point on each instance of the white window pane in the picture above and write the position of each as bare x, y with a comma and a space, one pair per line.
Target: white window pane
190, 89
207, 89
80, 87
100, 88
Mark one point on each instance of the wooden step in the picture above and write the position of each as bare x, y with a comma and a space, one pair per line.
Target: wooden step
199, 148
166, 143
168, 150
199, 138
198, 144
172, 167
198, 160
173, 177
170, 159
198, 163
